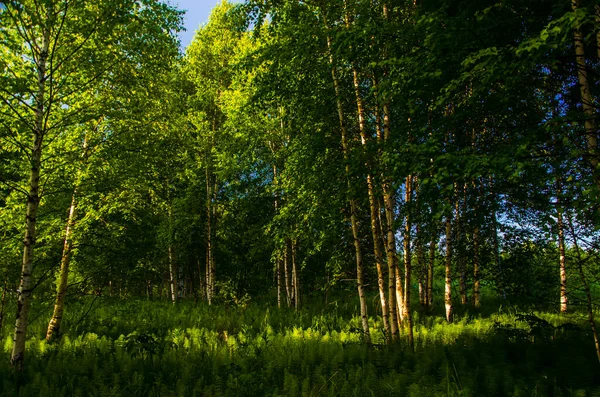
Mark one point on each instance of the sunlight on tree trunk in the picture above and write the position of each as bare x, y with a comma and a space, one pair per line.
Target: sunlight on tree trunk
448, 282
61, 290
353, 204
373, 208
33, 201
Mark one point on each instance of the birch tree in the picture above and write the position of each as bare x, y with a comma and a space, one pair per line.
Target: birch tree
51, 44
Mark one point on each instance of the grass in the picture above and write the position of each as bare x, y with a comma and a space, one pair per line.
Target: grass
151, 348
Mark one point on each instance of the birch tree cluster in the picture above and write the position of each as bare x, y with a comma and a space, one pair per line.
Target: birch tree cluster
429, 156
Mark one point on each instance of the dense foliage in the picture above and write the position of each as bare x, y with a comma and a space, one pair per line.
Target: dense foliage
425, 162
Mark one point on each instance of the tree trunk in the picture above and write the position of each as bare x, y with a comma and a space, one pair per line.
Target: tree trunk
422, 266
373, 207
352, 200
286, 274
476, 270
279, 289
278, 259
207, 279
448, 283
395, 281
476, 244
430, 271
497, 263
209, 240
460, 226
388, 205
586, 100
33, 200
53, 331
562, 263
295, 276
384, 224
213, 220
172, 276
359, 274
407, 261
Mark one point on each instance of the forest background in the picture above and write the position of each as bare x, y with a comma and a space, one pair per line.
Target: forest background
317, 197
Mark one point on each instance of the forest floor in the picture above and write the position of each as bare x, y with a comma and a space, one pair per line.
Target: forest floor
152, 348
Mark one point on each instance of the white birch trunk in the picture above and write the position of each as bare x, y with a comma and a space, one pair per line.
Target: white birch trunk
61, 290
25, 286
448, 282
353, 204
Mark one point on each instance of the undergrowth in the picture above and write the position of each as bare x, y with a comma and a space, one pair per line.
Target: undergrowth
150, 348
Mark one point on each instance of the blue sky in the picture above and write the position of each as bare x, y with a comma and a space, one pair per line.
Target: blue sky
197, 13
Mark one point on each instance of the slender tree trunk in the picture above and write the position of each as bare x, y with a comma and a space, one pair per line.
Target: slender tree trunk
400, 296
209, 239
382, 226
359, 274
395, 281
562, 263
279, 289
476, 269
295, 276
278, 258
477, 243
33, 200
458, 222
353, 204
460, 234
422, 282
407, 261
286, 274
586, 100
497, 262
422, 266
448, 284
207, 279
430, 271
172, 276
53, 331
213, 220
373, 207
